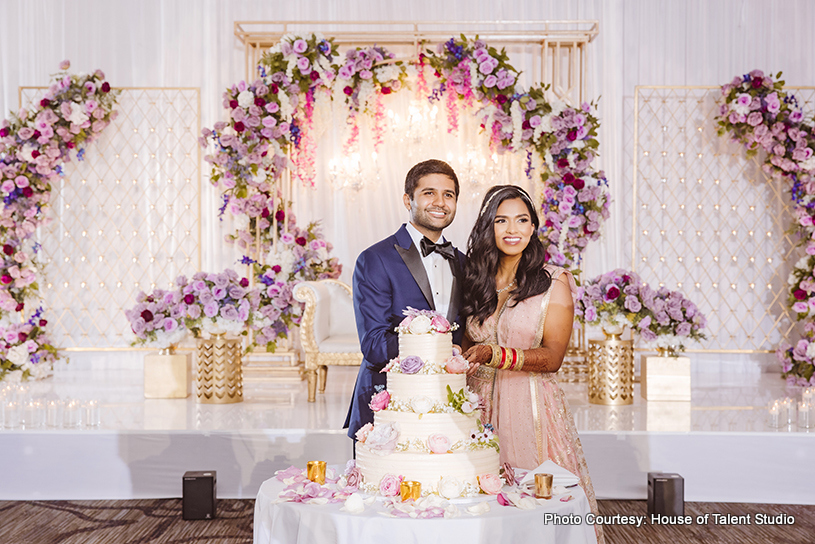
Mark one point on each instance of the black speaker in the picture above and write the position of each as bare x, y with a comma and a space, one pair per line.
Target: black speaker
199, 495
666, 494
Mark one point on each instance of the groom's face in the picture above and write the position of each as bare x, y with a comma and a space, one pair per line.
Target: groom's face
433, 203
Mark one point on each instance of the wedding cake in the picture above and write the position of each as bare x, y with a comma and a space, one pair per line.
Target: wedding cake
426, 422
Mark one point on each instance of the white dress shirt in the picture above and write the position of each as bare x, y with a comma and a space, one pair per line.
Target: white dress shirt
438, 271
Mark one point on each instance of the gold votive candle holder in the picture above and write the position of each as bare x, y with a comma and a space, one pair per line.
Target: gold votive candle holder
315, 471
410, 490
543, 486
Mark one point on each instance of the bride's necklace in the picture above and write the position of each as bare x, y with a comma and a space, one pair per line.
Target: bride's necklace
510, 284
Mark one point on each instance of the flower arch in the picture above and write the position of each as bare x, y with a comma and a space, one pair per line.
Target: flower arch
756, 112
270, 129
34, 145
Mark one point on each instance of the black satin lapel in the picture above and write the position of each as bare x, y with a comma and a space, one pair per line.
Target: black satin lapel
452, 312
414, 263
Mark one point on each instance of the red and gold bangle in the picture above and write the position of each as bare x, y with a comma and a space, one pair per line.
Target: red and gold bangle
496, 356
520, 364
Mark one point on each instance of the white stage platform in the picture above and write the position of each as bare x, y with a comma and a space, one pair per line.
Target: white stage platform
719, 442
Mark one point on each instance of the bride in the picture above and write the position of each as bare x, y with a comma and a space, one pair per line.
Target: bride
520, 313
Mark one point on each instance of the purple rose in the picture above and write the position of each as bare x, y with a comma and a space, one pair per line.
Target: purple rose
210, 310
683, 329
632, 304
299, 46
229, 312
411, 364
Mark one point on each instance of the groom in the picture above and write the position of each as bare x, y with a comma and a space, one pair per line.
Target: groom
415, 267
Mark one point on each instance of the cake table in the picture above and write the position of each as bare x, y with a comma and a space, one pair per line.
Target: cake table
290, 522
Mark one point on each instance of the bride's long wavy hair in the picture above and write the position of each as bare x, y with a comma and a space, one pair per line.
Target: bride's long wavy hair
483, 255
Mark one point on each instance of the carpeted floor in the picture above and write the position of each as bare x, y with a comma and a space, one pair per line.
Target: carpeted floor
159, 521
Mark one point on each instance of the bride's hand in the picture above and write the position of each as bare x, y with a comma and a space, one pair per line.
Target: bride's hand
477, 355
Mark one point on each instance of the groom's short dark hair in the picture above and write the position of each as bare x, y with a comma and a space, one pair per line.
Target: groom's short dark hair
425, 168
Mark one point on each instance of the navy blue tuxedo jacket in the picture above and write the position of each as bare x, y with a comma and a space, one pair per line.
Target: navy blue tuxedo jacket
389, 276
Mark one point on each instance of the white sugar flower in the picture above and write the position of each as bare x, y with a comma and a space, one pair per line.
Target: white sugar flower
420, 324
421, 404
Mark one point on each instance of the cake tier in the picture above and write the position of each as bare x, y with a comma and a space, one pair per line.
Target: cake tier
454, 426
434, 386
427, 468
430, 347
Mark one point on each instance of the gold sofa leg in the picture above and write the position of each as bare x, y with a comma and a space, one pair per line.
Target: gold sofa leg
322, 373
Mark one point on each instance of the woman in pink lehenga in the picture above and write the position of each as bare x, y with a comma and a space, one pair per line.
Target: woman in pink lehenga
520, 315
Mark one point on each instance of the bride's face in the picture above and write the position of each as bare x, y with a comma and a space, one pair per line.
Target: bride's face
513, 227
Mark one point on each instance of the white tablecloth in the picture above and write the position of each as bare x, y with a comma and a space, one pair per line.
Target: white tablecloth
297, 523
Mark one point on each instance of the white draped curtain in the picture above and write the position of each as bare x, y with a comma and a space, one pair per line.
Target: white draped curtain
191, 43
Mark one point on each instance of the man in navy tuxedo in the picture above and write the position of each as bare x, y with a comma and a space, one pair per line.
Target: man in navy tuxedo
415, 267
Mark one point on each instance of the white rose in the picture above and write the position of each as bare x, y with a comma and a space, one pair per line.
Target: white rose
473, 397
467, 407
420, 324
808, 164
421, 404
260, 177
246, 99
354, 504
18, 355
78, 115
811, 351
450, 487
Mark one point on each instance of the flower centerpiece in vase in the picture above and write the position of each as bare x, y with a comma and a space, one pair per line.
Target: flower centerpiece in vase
798, 361
611, 300
671, 320
217, 305
157, 319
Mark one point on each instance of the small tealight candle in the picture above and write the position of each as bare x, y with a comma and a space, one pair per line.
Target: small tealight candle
409, 489
543, 486
315, 471
788, 411
805, 410
808, 395
774, 412
53, 413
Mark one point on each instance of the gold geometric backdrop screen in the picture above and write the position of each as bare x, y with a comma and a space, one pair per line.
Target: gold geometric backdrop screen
124, 219
709, 222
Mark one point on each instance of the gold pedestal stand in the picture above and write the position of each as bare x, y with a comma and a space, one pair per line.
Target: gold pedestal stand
218, 378
574, 368
611, 371
167, 375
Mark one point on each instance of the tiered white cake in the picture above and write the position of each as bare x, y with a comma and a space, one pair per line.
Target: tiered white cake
426, 423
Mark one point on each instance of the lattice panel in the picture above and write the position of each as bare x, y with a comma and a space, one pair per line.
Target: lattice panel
709, 222
125, 219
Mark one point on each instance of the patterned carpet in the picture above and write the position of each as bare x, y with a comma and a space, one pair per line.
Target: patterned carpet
159, 521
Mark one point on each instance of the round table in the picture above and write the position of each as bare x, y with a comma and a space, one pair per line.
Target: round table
290, 522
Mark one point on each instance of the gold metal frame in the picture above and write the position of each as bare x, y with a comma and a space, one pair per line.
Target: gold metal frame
179, 98
317, 362
714, 167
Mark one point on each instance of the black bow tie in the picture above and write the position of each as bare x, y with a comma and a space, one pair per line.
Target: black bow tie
445, 249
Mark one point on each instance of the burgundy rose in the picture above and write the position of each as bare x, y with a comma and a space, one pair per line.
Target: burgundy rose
757, 81
36, 134
525, 125
35, 154
189, 299
572, 135
244, 282
8, 250
386, 90
799, 294
578, 184
274, 88
19, 307
626, 278
105, 87
612, 292
280, 215
233, 103
314, 75
22, 337
70, 145
259, 102
6, 279
239, 126
147, 315
3, 132
501, 99
568, 178
436, 73
43, 322
276, 269
562, 162
28, 192
45, 102
348, 90
549, 223
265, 212
149, 298
300, 241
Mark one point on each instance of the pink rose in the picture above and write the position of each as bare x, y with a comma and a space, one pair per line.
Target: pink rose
390, 485
380, 400
438, 443
490, 484
440, 324
456, 365
362, 433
